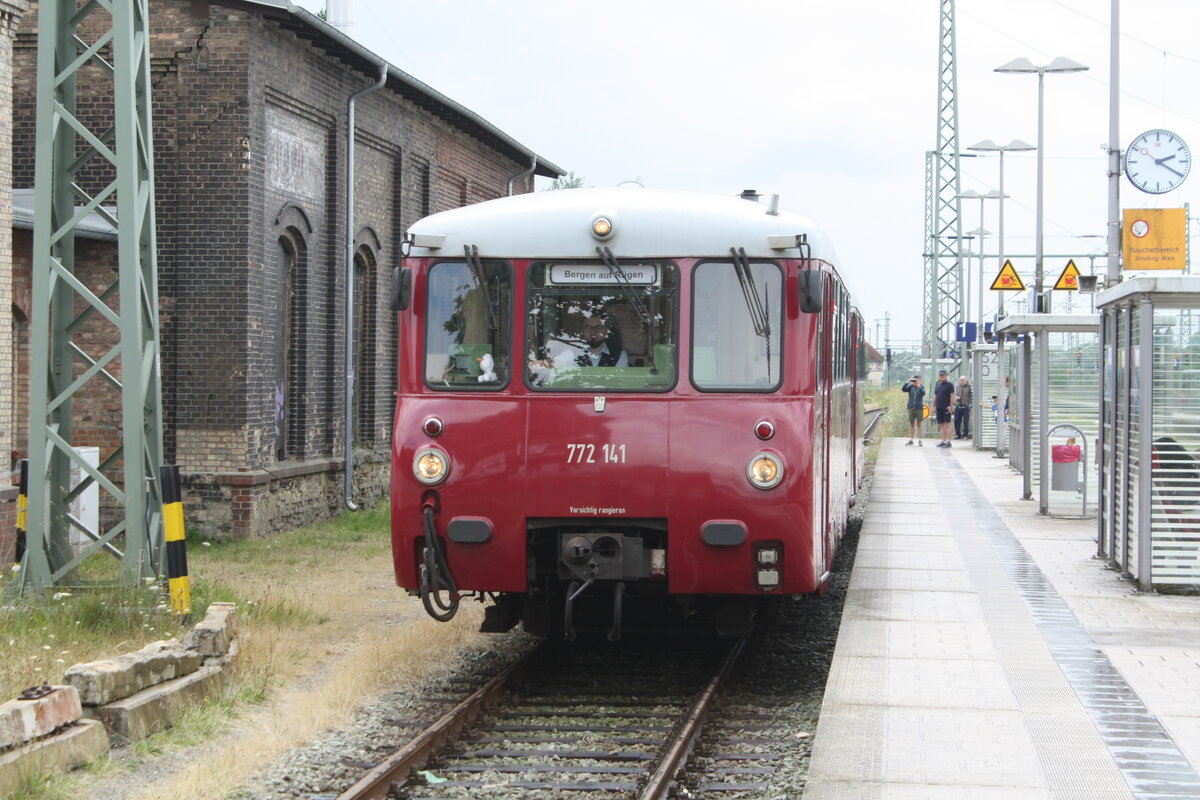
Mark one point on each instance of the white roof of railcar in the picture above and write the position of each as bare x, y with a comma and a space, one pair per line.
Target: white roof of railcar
647, 223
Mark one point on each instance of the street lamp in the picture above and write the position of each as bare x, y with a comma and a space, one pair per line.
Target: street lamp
971, 194
1018, 146
1024, 65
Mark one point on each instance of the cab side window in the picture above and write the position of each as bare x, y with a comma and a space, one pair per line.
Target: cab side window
468, 324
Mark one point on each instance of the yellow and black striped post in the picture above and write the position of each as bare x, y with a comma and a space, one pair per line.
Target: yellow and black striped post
22, 508
177, 568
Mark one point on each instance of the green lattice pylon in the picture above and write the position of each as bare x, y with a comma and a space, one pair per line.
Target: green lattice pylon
943, 297
89, 340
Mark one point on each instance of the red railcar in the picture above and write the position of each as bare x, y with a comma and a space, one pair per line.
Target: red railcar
617, 406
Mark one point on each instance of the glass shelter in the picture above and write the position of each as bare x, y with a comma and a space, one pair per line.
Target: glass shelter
1149, 520
985, 414
1052, 362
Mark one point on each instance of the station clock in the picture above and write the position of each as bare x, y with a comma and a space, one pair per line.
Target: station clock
1157, 161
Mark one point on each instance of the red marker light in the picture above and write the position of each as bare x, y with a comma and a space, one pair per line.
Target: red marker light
433, 426
764, 430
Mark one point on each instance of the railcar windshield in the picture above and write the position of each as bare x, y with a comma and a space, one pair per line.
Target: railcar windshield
736, 326
594, 326
468, 325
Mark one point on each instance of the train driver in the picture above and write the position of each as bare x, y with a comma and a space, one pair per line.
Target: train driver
597, 354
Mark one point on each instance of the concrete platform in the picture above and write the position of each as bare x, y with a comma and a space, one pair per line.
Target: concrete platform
985, 653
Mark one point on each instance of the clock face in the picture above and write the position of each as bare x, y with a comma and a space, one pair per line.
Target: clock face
1157, 161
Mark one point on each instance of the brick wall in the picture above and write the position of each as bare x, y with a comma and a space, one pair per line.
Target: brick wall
250, 146
10, 14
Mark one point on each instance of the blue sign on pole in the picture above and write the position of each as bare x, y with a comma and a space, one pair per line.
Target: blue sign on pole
964, 331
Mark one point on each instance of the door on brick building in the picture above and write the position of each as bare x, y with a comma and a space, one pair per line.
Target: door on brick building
365, 320
287, 259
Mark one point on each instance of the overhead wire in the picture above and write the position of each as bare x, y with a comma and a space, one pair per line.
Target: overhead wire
1088, 75
1161, 104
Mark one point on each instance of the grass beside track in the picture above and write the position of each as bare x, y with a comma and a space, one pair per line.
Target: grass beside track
893, 423
285, 590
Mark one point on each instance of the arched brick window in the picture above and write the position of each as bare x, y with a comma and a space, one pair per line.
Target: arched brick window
366, 321
290, 367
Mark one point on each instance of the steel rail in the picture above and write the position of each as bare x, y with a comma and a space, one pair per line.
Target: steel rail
685, 738
879, 413
376, 784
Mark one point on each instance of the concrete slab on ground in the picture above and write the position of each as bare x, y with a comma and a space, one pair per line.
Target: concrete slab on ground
153, 709
61, 752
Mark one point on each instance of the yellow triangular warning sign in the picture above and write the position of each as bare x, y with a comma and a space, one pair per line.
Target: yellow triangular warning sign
1069, 280
1008, 280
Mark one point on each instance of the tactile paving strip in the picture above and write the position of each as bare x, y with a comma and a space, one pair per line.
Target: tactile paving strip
1148, 759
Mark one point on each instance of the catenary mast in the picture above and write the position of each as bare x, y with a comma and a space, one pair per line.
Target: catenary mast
943, 298
94, 163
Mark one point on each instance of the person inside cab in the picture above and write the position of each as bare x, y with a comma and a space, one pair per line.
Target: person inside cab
596, 352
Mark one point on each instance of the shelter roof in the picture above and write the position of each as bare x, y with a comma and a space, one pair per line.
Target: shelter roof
1166, 291
1049, 323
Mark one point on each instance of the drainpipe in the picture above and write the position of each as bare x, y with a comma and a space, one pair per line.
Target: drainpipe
522, 174
350, 377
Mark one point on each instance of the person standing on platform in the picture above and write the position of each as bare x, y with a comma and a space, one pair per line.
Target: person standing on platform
994, 405
943, 396
916, 408
962, 409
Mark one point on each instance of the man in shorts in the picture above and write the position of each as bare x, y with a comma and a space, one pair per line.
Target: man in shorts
943, 397
916, 407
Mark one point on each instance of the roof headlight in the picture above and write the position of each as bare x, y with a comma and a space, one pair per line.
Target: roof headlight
431, 466
765, 470
604, 225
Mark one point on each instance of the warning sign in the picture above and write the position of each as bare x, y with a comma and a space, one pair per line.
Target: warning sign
1069, 280
1008, 280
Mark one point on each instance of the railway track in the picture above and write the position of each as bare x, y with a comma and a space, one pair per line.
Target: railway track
875, 415
620, 704
565, 720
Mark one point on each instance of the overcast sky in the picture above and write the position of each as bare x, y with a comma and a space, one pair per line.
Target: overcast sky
833, 110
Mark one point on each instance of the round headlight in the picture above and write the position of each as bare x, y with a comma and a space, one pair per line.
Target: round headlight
765, 470
431, 466
604, 225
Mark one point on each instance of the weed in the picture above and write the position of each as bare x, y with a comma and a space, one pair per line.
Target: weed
286, 587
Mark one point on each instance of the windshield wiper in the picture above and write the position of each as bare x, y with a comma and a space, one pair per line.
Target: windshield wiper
476, 267
627, 289
741, 265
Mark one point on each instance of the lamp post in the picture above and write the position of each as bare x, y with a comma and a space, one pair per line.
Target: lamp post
971, 194
1017, 146
1024, 65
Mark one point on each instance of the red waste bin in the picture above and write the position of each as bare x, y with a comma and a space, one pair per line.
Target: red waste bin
1064, 471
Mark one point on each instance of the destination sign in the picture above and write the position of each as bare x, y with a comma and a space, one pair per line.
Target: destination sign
600, 275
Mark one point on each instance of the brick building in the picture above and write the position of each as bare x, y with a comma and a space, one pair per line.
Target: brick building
249, 111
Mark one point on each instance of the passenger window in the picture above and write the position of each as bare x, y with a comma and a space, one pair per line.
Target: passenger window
736, 327
468, 324
591, 327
